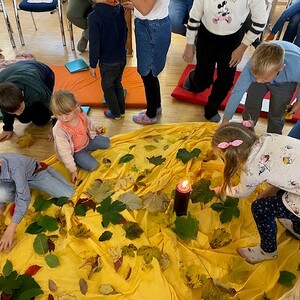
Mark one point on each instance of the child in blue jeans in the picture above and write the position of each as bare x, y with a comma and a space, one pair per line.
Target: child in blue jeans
72, 134
153, 38
19, 173
108, 34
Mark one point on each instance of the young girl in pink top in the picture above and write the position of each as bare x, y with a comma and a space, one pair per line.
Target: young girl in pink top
72, 134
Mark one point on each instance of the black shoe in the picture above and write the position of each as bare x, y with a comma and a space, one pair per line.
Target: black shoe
82, 44
187, 83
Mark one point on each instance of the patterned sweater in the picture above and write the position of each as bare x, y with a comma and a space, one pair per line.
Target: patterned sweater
273, 159
226, 17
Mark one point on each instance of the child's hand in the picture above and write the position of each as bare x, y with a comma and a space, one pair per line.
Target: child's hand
128, 5
74, 177
217, 189
5, 135
188, 54
101, 130
6, 241
92, 72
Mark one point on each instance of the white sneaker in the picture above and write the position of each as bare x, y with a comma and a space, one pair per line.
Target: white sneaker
254, 255
288, 224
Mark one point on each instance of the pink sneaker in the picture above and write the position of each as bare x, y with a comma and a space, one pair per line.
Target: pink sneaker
143, 119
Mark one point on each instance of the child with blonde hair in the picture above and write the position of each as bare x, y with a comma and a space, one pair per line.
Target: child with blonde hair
72, 134
274, 67
269, 158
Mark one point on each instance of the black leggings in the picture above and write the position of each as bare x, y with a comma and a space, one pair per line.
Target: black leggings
152, 91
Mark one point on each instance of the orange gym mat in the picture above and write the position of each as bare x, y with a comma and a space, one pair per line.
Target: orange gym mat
201, 98
88, 90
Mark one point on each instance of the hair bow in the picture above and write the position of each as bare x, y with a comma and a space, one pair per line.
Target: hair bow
234, 143
247, 123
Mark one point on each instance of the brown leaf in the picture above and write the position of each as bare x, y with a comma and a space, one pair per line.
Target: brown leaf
50, 297
118, 263
83, 286
128, 274
94, 262
88, 203
52, 285
51, 245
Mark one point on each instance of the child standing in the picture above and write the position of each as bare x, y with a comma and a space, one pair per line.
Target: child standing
274, 67
153, 37
72, 134
19, 173
220, 41
262, 158
108, 35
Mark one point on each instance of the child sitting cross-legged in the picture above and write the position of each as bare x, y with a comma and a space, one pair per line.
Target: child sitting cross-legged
72, 134
269, 158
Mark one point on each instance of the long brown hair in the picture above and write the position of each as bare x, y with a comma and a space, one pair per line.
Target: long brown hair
234, 157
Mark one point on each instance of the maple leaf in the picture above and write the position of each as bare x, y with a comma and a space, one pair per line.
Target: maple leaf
156, 160
87, 202
184, 155
126, 158
148, 253
110, 211
228, 209
286, 278
131, 200
201, 191
220, 238
80, 231
100, 190
239, 270
186, 227
192, 276
155, 202
94, 262
129, 250
133, 230
123, 183
210, 291
26, 140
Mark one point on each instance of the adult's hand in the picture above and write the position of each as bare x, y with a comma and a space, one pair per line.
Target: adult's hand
188, 54
237, 55
5, 135
93, 72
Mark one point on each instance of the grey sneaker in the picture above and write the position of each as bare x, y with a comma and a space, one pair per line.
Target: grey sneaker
82, 44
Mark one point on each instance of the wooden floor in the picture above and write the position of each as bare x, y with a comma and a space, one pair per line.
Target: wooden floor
46, 45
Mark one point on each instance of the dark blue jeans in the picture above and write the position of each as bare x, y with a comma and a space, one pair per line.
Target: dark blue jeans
111, 83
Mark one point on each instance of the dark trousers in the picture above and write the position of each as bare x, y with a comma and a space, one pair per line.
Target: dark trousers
281, 95
212, 50
152, 90
111, 83
264, 211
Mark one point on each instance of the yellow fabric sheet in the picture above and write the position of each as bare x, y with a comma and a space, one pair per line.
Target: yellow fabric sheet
189, 260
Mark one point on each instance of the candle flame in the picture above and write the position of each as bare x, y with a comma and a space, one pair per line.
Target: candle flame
185, 183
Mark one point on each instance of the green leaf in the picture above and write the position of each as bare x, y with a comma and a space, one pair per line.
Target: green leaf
8, 268
30, 294
131, 200
105, 236
231, 202
40, 244
218, 206
111, 211
286, 278
28, 283
133, 230
60, 201
49, 223
201, 191
226, 216
41, 204
80, 210
150, 147
52, 260
34, 228
148, 253
126, 158
156, 160
228, 209
184, 155
10, 283
186, 228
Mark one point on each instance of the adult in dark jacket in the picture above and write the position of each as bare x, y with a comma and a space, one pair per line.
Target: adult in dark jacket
25, 91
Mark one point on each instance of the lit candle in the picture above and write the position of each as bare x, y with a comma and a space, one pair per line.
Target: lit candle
182, 196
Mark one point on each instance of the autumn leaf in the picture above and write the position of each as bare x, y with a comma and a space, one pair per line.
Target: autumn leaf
40, 244
48, 223
83, 286
286, 278
26, 140
34, 228
110, 211
201, 191
87, 202
80, 231
129, 250
164, 261
95, 264
60, 201
239, 270
156, 160
80, 210
100, 190
52, 260
105, 236
41, 204
106, 162
192, 276
220, 238
131, 200
228, 209
149, 253
186, 227
210, 291
106, 289
32, 270
184, 155
155, 202
150, 147
126, 158
133, 230
52, 285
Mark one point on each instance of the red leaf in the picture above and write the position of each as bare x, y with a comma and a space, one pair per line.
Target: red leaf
44, 165
123, 220
118, 263
50, 297
32, 270
5, 296
12, 209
